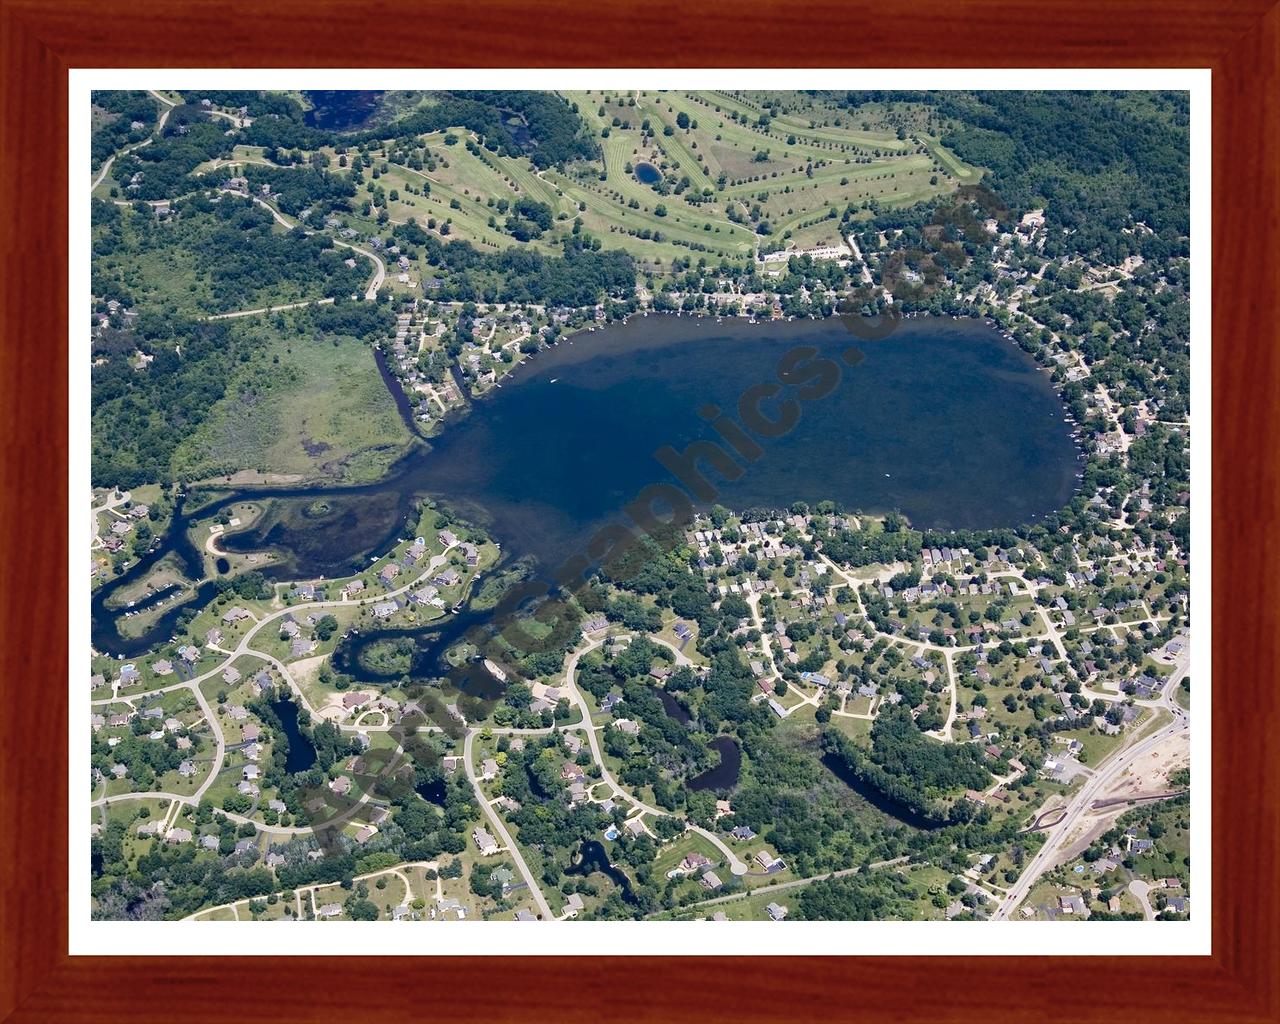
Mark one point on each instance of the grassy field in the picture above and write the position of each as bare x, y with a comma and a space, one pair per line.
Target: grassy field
299, 406
781, 183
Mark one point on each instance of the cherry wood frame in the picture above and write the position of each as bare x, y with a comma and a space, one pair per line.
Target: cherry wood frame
41, 39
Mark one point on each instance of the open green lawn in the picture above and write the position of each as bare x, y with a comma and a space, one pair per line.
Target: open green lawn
802, 172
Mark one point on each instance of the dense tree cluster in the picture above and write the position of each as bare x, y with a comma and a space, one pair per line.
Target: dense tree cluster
116, 113
908, 767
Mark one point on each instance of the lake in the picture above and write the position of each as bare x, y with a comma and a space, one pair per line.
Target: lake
647, 174
340, 109
945, 420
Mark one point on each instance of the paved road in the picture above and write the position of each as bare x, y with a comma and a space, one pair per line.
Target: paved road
243, 649
380, 269
796, 883
164, 116
501, 829
1105, 774
269, 309
1141, 890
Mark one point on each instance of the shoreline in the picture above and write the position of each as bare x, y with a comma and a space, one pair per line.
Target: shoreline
223, 493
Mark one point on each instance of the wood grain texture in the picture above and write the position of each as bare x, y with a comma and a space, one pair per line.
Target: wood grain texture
39, 41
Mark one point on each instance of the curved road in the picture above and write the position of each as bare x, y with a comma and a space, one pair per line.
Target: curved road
1105, 774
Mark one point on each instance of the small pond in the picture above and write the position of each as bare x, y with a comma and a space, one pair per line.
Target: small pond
725, 774
593, 857
302, 754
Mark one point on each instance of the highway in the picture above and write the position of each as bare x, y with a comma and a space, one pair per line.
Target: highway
1106, 773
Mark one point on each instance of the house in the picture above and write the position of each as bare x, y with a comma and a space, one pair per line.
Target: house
572, 742
129, 674
177, 835
1072, 905
250, 773
341, 785
389, 572
213, 637
233, 615
611, 701
237, 712
251, 733
776, 912
489, 769
330, 910
384, 609
163, 667
628, 726
208, 842
636, 828
694, 861
484, 842
710, 881
186, 769
354, 587
301, 647
570, 771
524, 915
765, 859
447, 578
573, 905
231, 675
365, 834
743, 832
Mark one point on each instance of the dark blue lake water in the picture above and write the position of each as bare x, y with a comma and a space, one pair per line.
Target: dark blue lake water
302, 754
945, 420
647, 174
341, 108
